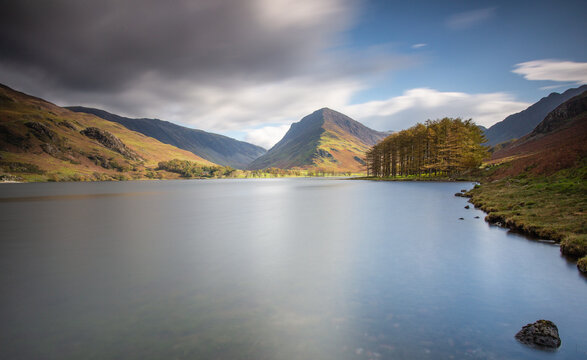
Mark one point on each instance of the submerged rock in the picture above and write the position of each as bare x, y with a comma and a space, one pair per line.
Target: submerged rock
467, 207
542, 334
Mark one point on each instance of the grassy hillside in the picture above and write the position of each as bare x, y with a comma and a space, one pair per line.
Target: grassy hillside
216, 148
40, 141
339, 151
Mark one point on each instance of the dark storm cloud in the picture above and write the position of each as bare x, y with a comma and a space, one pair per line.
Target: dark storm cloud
107, 45
217, 65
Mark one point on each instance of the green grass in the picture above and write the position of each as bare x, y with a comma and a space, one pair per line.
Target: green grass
553, 207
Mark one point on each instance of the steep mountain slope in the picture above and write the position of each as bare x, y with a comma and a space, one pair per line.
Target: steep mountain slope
558, 142
42, 141
325, 139
517, 125
216, 148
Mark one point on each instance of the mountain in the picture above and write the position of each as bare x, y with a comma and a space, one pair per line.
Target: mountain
325, 139
517, 125
216, 148
42, 141
558, 142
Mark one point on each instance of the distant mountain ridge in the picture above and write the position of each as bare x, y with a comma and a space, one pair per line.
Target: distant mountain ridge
324, 139
216, 148
517, 125
558, 142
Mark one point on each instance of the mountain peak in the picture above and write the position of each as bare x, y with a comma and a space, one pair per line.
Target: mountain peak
325, 138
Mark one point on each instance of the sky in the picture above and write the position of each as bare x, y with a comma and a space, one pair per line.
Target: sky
249, 68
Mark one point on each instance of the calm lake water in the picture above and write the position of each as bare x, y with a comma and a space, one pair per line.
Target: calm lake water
272, 269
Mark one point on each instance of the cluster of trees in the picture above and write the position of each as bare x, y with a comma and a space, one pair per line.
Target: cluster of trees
190, 169
441, 147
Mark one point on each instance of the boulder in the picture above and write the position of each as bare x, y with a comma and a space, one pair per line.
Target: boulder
542, 334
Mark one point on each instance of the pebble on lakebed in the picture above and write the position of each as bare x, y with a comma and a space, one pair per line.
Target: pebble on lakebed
541, 334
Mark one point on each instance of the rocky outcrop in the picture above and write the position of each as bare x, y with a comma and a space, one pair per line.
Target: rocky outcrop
42, 132
67, 124
110, 141
541, 334
322, 153
561, 116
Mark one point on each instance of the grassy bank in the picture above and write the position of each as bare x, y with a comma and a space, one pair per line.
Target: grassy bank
552, 207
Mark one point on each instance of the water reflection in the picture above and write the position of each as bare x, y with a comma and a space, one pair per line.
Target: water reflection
272, 269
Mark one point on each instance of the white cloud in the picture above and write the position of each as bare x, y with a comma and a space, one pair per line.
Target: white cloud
418, 105
418, 46
468, 19
553, 70
237, 106
557, 86
266, 136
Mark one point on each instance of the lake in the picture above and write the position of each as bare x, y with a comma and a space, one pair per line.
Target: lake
273, 269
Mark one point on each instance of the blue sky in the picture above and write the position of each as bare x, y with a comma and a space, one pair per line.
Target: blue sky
249, 68
472, 46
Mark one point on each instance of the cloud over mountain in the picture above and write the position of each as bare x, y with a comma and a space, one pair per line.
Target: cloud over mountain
417, 105
553, 70
216, 65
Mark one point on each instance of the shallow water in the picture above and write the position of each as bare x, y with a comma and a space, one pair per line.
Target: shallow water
272, 269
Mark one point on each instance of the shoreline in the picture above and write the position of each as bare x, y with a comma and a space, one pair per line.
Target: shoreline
512, 209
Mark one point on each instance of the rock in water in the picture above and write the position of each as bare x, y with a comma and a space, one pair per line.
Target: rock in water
542, 333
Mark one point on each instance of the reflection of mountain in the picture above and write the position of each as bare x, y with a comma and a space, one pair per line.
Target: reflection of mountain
216, 148
325, 139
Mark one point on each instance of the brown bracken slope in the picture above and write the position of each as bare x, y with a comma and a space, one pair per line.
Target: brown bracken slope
558, 142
